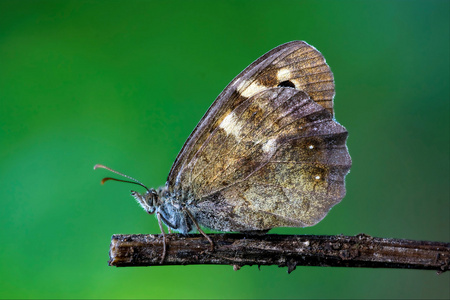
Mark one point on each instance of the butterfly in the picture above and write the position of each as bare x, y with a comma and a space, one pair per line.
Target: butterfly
267, 153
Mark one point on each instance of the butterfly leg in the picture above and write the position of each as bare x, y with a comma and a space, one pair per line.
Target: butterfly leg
199, 229
164, 237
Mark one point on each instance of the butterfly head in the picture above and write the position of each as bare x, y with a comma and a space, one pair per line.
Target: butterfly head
160, 201
148, 201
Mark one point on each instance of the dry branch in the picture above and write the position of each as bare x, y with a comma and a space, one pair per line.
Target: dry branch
282, 250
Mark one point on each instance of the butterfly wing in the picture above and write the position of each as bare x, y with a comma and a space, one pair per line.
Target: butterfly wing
268, 152
277, 160
294, 64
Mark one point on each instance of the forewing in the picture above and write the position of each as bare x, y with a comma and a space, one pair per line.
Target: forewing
295, 64
277, 159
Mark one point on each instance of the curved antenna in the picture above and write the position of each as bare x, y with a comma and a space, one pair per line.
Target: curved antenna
134, 181
128, 181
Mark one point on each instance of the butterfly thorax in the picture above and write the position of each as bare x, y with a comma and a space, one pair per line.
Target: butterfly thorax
169, 205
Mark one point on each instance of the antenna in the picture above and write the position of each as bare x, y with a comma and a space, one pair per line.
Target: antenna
134, 181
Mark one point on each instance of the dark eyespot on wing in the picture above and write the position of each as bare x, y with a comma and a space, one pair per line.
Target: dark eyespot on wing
286, 83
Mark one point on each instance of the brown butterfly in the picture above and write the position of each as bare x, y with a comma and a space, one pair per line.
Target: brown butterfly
267, 153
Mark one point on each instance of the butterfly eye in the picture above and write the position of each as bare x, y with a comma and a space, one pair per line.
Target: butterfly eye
286, 83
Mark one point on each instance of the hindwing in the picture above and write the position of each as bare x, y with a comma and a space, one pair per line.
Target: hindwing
278, 159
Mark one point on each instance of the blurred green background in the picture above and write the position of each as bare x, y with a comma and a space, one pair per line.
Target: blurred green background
123, 83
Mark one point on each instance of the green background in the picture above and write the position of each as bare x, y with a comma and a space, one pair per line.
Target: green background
123, 83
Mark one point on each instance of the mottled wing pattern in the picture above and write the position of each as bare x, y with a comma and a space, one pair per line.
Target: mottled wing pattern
277, 159
294, 64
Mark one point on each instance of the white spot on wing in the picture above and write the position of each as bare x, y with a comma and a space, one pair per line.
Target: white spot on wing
283, 74
231, 125
270, 146
250, 90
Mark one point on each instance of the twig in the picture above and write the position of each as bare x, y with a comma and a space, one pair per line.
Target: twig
282, 250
